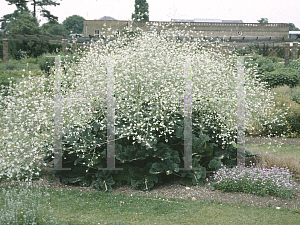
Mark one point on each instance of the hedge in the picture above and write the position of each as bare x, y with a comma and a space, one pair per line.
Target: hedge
282, 76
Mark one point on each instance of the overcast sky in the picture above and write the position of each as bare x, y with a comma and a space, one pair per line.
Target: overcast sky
277, 11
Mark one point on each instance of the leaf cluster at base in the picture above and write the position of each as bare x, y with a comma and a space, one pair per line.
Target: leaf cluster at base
143, 165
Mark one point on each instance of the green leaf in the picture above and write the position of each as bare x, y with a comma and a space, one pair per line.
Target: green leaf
141, 177
104, 184
193, 177
79, 160
145, 183
76, 175
215, 164
164, 152
208, 148
178, 131
167, 166
199, 143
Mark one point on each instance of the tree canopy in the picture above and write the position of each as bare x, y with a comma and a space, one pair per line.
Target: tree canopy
44, 12
263, 20
22, 23
141, 11
292, 27
22, 5
54, 29
74, 24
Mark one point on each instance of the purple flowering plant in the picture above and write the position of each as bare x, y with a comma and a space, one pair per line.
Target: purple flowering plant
254, 180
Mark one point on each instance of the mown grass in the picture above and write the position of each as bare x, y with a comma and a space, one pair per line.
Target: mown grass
277, 150
78, 207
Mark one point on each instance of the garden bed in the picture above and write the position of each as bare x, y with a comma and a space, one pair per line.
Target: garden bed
175, 190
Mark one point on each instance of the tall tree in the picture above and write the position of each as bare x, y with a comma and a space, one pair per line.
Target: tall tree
141, 11
42, 4
51, 18
21, 4
292, 27
74, 24
263, 20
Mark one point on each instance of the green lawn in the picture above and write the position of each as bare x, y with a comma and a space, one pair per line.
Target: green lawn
77, 207
277, 150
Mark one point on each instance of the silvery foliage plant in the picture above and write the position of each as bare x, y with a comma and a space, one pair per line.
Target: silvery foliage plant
149, 85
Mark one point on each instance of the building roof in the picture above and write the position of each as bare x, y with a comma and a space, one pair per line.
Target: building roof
106, 18
232, 21
181, 20
203, 20
294, 32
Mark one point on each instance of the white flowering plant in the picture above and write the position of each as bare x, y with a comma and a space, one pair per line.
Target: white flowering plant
149, 112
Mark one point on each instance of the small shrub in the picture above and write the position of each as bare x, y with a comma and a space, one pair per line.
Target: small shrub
21, 55
266, 64
252, 180
296, 98
294, 121
295, 64
31, 60
281, 77
11, 65
45, 63
289, 125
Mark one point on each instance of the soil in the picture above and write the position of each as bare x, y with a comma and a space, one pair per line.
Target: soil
195, 193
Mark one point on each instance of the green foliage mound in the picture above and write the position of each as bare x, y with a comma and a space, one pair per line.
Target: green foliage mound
282, 76
144, 164
264, 64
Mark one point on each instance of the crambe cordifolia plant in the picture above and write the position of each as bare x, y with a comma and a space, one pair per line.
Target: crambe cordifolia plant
149, 87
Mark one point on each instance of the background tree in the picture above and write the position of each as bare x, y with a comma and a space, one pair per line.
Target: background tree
263, 20
292, 27
141, 11
42, 4
51, 18
54, 28
22, 5
22, 23
74, 24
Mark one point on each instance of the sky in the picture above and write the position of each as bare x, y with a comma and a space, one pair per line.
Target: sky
277, 11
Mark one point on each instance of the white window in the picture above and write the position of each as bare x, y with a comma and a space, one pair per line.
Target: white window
97, 33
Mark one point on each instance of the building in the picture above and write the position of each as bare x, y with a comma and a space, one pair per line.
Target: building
196, 28
294, 34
